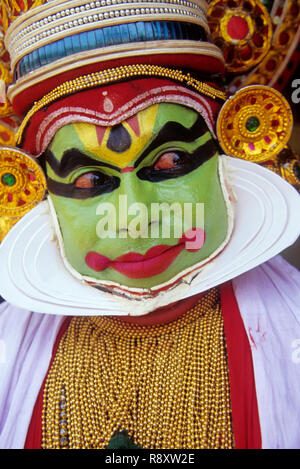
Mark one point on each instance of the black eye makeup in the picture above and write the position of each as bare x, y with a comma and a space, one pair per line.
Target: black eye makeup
91, 183
91, 180
175, 163
164, 158
170, 164
170, 160
174, 160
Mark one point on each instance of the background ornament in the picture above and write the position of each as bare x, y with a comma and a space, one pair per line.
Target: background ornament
242, 30
22, 187
287, 165
281, 61
12, 9
255, 124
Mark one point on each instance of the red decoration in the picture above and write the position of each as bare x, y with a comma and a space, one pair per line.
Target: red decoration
86, 105
237, 28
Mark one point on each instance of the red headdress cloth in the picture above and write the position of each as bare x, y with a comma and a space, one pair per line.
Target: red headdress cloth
109, 105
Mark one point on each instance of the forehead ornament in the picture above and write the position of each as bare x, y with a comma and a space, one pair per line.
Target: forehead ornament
108, 105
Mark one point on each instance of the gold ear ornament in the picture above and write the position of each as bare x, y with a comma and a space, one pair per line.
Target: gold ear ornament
255, 124
22, 186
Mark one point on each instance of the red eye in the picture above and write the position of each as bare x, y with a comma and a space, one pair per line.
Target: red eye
167, 160
89, 180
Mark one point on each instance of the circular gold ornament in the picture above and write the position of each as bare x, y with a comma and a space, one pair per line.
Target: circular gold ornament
22, 183
242, 30
255, 124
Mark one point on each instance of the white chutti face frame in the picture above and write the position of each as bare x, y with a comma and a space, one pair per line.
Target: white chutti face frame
34, 276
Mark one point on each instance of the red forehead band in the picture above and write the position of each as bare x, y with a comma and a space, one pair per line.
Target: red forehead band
109, 105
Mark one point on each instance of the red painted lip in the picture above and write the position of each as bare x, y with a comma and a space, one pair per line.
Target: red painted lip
153, 262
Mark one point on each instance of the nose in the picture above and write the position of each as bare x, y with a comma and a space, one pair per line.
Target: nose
133, 203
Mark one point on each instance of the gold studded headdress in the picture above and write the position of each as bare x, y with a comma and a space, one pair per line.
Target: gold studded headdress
67, 38
50, 42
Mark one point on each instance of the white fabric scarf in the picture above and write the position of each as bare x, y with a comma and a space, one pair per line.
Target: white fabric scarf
269, 302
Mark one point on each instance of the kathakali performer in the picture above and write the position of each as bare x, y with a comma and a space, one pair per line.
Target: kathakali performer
147, 187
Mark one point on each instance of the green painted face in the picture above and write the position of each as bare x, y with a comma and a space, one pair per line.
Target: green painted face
107, 185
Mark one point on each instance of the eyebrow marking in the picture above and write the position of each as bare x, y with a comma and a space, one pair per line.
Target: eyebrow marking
174, 131
73, 159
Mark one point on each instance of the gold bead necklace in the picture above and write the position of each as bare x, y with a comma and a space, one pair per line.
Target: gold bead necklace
167, 385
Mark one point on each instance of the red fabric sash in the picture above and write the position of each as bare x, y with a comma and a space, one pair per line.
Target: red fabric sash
245, 417
34, 434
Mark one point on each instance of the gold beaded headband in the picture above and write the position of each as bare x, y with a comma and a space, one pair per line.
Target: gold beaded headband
113, 75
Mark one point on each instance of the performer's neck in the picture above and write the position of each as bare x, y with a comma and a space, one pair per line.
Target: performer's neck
164, 314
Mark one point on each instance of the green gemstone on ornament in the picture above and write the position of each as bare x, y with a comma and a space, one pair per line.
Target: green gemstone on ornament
252, 124
8, 179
